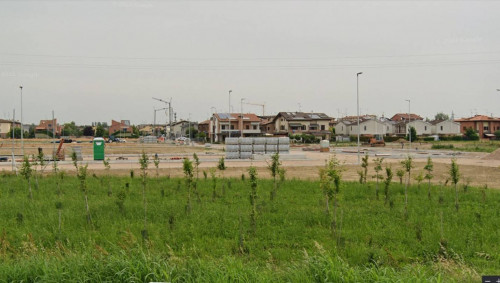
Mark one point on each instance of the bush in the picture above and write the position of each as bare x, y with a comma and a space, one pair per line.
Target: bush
305, 138
451, 138
471, 134
442, 146
391, 138
427, 139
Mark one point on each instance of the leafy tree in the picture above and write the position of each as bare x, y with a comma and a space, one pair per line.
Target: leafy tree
429, 167
400, 173
274, 168
378, 168
413, 134
497, 134
441, 116
202, 136
364, 164
187, 167
194, 132
135, 132
88, 131
26, 172
253, 197
100, 131
455, 177
471, 134
17, 133
144, 162
70, 129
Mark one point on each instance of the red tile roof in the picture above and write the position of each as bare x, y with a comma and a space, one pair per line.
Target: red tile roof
478, 118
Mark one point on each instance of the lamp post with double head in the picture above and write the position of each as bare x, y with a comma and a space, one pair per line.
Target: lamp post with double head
357, 102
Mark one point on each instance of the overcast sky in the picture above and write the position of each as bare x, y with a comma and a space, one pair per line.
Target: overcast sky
102, 60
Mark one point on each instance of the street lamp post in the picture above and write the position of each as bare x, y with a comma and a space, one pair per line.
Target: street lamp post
409, 120
22, 130
229, 113
357, 99
241, 116
211, 129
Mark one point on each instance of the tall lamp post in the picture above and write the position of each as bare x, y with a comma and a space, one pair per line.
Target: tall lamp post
229, 113
357, 99
22, 130
241, 116
409, 120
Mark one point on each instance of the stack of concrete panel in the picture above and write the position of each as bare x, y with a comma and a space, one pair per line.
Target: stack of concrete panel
284, 145
246, 148
271, 145
232, 148
259, 145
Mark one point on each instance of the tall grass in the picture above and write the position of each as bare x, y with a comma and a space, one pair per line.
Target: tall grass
292, 240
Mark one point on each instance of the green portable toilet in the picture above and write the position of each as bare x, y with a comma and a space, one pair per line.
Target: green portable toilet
99, 148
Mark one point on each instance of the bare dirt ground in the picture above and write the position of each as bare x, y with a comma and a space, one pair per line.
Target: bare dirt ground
478, 169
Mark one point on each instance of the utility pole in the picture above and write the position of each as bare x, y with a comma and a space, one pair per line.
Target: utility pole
241, 116
13, 130
409, 120
229, 114
22, 130
169, 115
357, 99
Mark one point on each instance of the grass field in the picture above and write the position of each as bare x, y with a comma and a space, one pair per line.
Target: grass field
467, 146
293, 240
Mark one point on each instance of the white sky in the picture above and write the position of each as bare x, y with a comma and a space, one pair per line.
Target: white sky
97, 61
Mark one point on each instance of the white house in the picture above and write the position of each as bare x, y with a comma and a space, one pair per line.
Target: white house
371, 127
445, 127
422, 127
343, 128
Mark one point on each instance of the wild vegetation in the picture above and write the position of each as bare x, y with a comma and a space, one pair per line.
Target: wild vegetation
244, 237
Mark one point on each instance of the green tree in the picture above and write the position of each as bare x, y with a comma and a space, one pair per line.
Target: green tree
413, 133
144, 162
429, 167
70, 129
497, 134
455, 177
193, 132
17, 133
378, 168
441, 116
100, 131
471, 134
26, 172
88, 131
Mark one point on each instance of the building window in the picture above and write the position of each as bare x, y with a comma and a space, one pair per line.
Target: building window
232, 127
486, 128
223, 127
282, 128
351, 128
322, 127
248, 127
441, 128
255, 127
268, 128
425, 128
387, 128
365, 128
465, 129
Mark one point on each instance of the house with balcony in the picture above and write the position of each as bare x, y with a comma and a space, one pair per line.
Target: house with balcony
5, 126
122, 127
485, 126
293, 123
47, 128
223, 125
181, 128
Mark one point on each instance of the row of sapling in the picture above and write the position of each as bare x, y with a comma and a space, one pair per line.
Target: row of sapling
276, 171
363, 173
378, 168
252, 171
197, 163
144, 162
407, 165
187, 167
81, 173
331, 177
107, 167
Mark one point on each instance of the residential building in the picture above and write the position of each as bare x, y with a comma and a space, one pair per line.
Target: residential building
222, 124
369, 125
120, 127
486, 126
46, 128
344, 127
204, 127
292, 123
445, 127
5, 126
181, 128
421, 127
398, 117
267, 125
